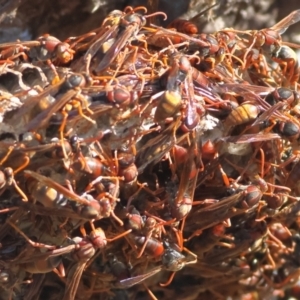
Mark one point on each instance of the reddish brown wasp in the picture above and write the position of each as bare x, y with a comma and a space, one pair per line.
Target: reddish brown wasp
288, 62
256, 109
110, 28
169, 101
187, 26
181, 204
143, 232
69, 89
68, 97
272, 36
84, 249
172, 260
163, 37
46, 48
88, 208
127, 27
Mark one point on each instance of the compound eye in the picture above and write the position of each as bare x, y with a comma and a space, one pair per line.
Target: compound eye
74, 139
